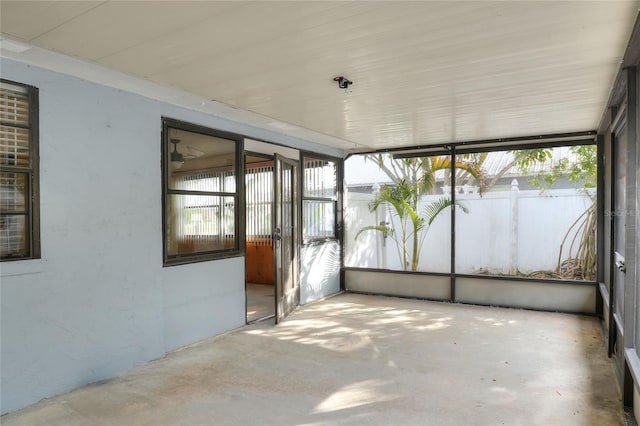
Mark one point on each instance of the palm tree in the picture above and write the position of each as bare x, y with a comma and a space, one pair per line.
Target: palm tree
411, 178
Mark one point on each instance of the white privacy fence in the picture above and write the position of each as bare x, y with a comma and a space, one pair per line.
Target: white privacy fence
509, 232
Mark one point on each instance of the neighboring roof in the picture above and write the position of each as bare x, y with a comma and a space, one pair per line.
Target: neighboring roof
498, 160
359, 171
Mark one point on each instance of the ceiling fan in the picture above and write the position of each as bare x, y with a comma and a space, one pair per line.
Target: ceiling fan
192, 152
178, 158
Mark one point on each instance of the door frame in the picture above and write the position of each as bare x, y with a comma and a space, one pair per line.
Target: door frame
267, 158
286, 301
623, 326
616, 321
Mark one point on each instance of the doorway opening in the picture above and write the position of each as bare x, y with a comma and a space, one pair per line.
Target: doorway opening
259, 260
272, 240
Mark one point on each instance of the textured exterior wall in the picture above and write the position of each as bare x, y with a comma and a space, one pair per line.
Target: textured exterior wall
99, 302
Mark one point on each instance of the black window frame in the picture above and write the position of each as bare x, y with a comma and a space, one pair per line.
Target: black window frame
238, 196
32, 172
304, 155
482, 146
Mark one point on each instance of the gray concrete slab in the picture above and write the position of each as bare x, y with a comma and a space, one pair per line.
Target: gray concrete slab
356, 359
261, 301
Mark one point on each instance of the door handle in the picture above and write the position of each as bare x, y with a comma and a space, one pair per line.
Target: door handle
277, 234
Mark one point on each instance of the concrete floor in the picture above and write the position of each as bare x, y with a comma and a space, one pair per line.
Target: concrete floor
261, 301
356, 359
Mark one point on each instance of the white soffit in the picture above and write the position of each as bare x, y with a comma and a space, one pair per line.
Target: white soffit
424, 72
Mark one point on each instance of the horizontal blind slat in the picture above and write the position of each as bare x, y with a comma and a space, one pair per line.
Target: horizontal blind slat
14, 147
14, 106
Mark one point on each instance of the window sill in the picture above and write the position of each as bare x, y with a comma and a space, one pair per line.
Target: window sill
21, 267
186, 259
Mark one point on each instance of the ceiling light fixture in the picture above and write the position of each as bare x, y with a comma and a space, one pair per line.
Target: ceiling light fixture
177, 159
343, 82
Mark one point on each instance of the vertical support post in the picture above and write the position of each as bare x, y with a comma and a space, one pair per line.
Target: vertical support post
612, 228
630, 213
240, 207
600, 222
630, 247
513, 239
453, 224
340, 211
636, 254
385, 247
380, 237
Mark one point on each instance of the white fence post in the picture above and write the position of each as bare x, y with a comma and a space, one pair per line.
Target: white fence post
513, 260
375, 192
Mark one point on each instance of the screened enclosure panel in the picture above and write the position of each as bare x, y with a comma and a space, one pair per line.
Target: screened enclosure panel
397, 213
533, 216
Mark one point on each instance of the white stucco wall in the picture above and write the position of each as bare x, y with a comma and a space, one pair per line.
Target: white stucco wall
99, 301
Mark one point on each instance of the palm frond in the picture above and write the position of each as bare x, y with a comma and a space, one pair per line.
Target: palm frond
380, 228
416, 220
432, 210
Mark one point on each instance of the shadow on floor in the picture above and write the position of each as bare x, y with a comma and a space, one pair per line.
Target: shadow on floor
357, 359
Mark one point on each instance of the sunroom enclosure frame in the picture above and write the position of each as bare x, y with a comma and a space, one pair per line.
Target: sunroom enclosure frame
461, 287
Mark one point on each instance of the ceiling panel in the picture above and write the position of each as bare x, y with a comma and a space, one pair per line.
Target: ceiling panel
424, 72
27, 20
206, 45
117, 25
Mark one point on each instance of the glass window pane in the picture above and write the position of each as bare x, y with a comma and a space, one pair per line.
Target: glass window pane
14, 146
16, 203
198, 162
259, 199
14, 236
319, 178
319, 219
14, 104
14, 192
397, 213
199, 223
535, 216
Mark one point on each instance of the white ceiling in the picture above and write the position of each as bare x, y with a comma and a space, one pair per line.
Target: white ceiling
424, 72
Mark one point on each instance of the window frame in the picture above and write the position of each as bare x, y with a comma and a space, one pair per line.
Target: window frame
238, 195
305, 241
32, 172
485, 146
